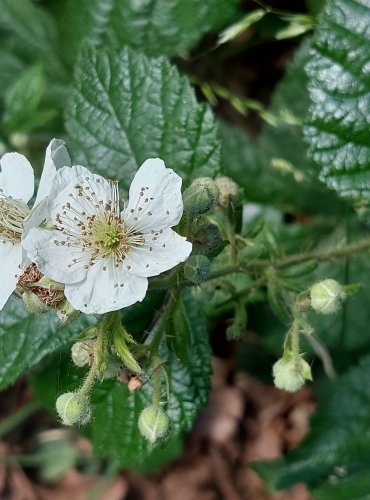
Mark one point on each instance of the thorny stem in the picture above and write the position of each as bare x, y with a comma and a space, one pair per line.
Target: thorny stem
336, 253
256, 265
89, 380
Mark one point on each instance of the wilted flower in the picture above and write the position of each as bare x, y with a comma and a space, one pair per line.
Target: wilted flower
104, 255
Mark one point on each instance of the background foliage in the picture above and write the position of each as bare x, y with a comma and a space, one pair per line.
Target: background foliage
114, 78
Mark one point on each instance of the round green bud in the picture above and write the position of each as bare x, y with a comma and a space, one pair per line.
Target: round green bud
290, 374
327, 296
207, 238
228, 190
73, 408
33, 303
82, 352
200, 197
196, 268
153, 423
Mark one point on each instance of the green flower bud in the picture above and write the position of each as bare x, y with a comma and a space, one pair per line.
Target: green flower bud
82, 352
33, 303
228, 190
73, 408
207, 238
196, 268
200, 197
290, 374
327, 296
153, 423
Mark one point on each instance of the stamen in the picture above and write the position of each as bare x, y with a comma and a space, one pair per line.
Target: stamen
12, 215
96, 225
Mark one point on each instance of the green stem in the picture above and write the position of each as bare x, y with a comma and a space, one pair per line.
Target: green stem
157, 382
110, 319
160, 327
259, 265
89, 380
18, 417
337, 253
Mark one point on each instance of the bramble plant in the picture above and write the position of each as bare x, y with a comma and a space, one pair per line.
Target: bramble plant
153, 220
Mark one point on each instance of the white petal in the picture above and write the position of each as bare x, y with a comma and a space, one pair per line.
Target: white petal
64, 189
10, 258
56, 156
155, 200
54, 258
106, 290
16, 177
37, 215
159, 253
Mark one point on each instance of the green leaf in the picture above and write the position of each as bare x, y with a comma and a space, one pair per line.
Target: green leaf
340, 487
339, 72
25, 339
277, 169
22, 102
33, 32
11, 67
126, 108
178, 333
114, 430
155, 27
339, 439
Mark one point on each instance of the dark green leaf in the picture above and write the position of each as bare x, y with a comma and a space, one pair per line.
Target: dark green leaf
276, 169
340, 487
178, 333
339, 439
155, 26
126, 108
339, 72
25, 339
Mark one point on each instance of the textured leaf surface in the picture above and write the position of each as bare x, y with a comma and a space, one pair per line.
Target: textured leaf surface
339, 72
339, 439
114, 430
26, 338
154, 26
277, 169
126, 108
